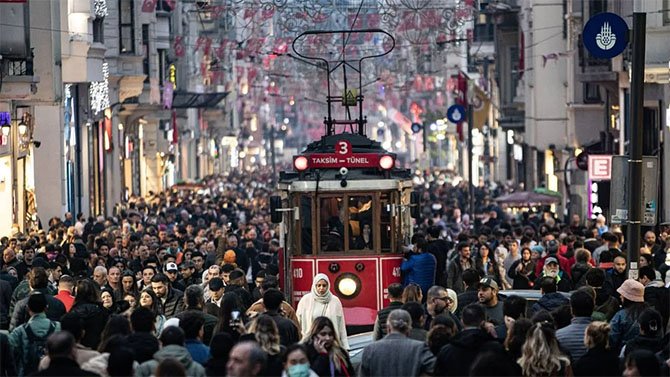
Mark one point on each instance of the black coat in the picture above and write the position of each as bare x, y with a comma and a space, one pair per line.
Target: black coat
466, 298
597, 362
288, 331
61, 366
95, 318
174, 303
439, 248
549, 302
5, 300
457, 357
144, 346
320, 363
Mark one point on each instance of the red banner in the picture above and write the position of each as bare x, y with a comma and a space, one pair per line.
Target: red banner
149, 6
179, 46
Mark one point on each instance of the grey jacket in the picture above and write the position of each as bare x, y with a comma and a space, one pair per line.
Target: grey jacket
571, 338
410, 357
180, 353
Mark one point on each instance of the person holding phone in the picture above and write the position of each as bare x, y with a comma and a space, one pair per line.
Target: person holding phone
326, 354
320, 302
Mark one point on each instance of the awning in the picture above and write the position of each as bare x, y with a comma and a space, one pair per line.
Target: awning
188, 100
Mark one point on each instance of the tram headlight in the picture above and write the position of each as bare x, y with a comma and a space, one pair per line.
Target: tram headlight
348, 285
386, 162
300, 163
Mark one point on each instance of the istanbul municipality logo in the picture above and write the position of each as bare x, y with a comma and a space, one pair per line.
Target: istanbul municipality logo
606, 39
605, 35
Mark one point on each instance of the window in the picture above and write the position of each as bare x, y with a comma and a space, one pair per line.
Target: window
597, 6
666, 12
99, 30
146, 65
332, 223
162, 65
126, 27
306, 224
591, 93
360, 222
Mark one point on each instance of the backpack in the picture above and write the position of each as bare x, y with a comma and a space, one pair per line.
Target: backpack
37, 348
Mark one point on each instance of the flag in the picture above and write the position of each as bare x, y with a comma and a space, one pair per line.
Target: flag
481, 104
179, 46
149, 6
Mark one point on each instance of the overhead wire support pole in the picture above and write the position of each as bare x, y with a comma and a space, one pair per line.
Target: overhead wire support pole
635, 151
471, 166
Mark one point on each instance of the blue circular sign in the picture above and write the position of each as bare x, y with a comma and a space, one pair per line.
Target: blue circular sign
456, 113
605, 35
416, 128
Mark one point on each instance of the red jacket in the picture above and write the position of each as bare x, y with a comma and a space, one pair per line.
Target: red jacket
563, 263
66, 298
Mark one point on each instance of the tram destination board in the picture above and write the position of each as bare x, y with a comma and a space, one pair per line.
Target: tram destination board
334, 160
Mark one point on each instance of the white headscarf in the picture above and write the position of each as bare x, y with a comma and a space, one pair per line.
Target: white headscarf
325, 298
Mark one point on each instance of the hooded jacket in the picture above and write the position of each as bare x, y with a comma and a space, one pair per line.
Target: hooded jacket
173, 351
457, 357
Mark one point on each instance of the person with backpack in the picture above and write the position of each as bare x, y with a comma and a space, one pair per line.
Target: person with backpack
29, 340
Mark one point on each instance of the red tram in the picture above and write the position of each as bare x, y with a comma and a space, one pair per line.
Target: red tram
345, 211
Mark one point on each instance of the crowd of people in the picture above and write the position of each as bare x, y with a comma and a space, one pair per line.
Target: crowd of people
185, 282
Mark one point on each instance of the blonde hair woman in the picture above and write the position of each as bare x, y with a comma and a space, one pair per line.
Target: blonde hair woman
320, 302
599, 359
266, 333
540, 355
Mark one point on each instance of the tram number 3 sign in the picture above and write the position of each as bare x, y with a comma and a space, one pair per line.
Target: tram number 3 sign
343, 156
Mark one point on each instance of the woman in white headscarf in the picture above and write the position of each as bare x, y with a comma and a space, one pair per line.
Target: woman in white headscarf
320, 302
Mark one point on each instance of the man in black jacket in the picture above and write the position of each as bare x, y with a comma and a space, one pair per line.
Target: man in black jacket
171, 299
439, 248
395, 296
288, 332
457, 357
551, 299
38, 282
471, 283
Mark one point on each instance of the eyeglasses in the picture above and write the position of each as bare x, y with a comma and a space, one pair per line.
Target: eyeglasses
445, 298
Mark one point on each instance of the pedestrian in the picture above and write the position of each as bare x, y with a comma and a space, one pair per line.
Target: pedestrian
642, 363
395, 291
442, 330
419, 266
65, 289
551, 299
326, 354
220, 348
541, 355
551, 269
149, 300
288, 331
470, 295
650, 336
29, 339
617, 274
457, 265
571, 338
38, 280
605, 303
625, 325
513, 308
296, 362
87, 306
581, 267
457, 357
655, 293
321, 302
486, 265
116, 325
412, 293
82, 354
172, 347
599, 359
439, 248
437, 303
285, 309
247, 359
193, 325
60, 347
488, 298
418, 315
516, 337
171, 299
194, 302
265, 331
410, 357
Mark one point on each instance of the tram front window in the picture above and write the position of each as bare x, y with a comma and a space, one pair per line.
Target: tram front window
360, 222
386, 222
332, 224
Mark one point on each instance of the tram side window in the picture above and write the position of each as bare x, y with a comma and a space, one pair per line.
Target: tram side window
360, 222
332, 220
306, 224
386, 222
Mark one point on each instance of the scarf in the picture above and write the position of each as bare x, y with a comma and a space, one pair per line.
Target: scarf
325, 299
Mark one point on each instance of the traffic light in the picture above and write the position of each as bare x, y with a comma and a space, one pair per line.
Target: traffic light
416, 128
582, 161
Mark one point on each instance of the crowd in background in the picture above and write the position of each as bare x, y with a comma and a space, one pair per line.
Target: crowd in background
185, 282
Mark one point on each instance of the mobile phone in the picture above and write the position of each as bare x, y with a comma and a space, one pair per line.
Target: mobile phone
235, 315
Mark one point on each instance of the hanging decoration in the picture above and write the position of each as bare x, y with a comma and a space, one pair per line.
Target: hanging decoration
99, 91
